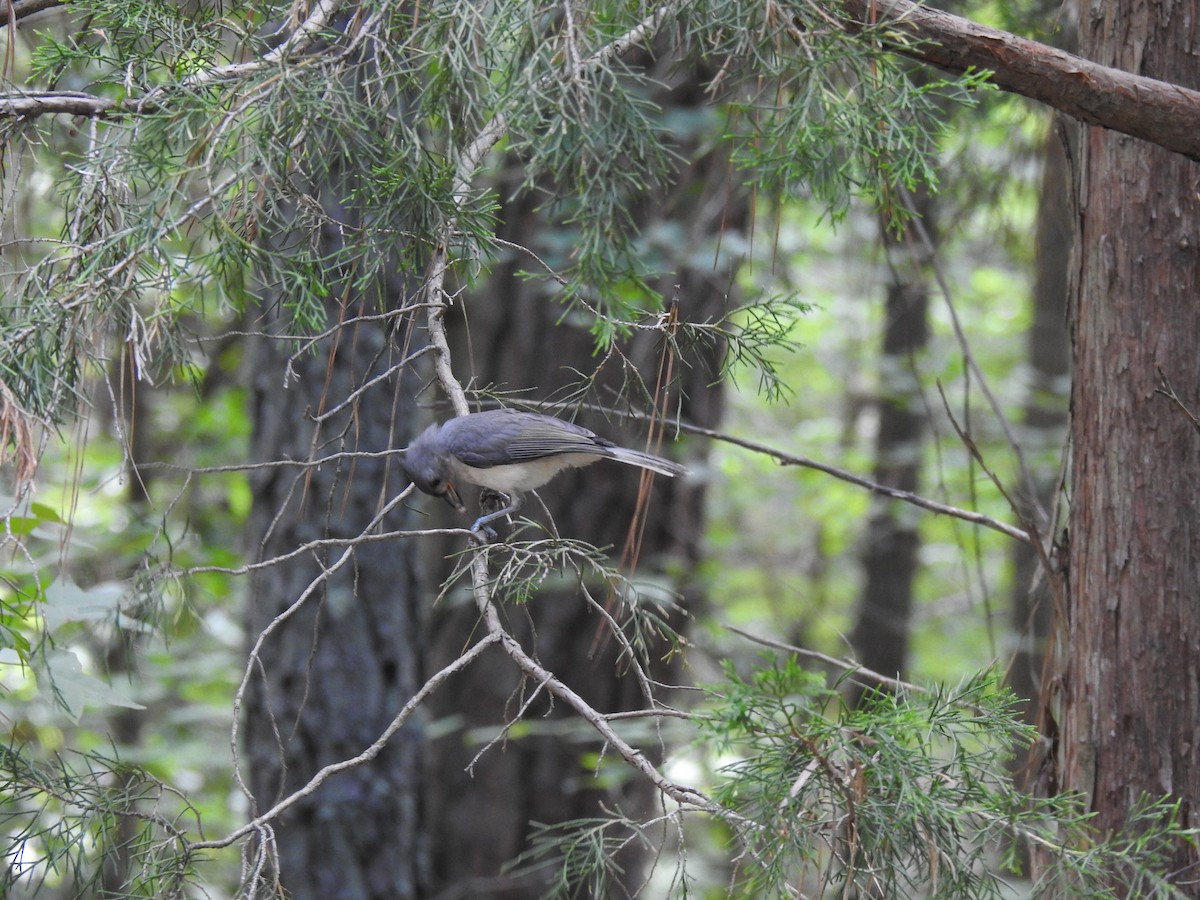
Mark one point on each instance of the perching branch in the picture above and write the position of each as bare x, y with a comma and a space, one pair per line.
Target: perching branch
545, 679
27, 105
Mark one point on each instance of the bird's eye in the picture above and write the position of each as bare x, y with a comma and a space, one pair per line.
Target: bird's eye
436, 484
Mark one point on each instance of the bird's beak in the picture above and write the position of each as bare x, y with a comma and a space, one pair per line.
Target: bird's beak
451, 497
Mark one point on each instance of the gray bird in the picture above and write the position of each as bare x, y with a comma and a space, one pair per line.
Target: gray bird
510, 452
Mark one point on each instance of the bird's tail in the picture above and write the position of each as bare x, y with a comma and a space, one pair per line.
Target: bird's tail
647, 461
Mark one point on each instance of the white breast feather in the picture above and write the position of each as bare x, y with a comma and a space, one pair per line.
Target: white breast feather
521, 477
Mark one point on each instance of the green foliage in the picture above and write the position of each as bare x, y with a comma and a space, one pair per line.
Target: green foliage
754, 338
238, 166
583, 857
898, 798
906, 795
97, 629
66, 822
164, 201
817, 112
165, 40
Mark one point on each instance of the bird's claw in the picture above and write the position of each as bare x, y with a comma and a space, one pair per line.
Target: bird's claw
490, 498
486, 533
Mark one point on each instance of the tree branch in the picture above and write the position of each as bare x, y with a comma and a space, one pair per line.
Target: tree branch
21, 9
846, 665
1155, 111
789, 459
26, 105
685, 796
432, 684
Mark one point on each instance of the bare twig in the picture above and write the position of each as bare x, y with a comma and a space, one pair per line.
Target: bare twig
845, 665
934, 506
355, 394
976, 454
973, 364
684, 796
431, 684
253, 659
1167, 390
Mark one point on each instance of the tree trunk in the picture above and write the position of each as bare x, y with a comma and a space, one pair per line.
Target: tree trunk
893, 537
1131, 657
515, 335
332, 676
1044, 425
125, 726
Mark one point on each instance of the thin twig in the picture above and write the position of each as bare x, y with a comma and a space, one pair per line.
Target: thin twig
969, 357
431, 684
845, 665
1167, 390
685, 796
253, 660
789, 459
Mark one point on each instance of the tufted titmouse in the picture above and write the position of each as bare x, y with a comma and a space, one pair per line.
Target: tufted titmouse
510, 452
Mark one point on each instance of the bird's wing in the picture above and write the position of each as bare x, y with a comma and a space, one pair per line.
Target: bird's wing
502, 437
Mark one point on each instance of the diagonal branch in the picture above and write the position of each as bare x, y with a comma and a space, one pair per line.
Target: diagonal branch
789, 459
21, 9
545, 679
1155, 111
432, 684
854, 669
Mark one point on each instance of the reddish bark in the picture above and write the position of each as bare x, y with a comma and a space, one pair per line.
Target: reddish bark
1131, 660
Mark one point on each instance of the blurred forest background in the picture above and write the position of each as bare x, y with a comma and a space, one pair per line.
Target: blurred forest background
253, 251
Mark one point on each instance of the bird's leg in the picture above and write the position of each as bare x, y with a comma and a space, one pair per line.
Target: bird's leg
481, 524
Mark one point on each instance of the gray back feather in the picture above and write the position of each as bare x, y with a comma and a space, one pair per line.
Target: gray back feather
499, 437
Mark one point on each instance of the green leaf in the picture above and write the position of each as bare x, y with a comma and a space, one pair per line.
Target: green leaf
45, 513
66, 602
75, 690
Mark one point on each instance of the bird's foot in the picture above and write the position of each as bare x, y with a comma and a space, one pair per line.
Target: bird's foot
485, 534
490, 500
